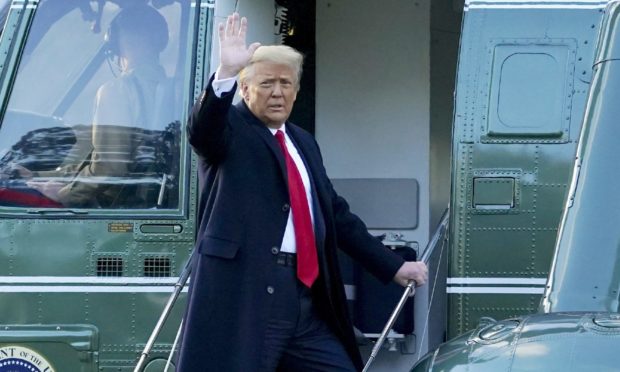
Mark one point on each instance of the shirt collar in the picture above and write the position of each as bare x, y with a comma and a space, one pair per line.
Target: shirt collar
282, 128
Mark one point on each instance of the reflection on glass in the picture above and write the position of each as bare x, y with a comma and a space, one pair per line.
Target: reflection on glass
93, 120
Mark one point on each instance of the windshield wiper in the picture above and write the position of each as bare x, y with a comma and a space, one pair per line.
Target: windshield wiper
56, 211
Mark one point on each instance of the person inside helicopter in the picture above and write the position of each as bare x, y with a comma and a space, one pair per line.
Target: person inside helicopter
129, 113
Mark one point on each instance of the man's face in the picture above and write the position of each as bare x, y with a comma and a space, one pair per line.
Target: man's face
271, 92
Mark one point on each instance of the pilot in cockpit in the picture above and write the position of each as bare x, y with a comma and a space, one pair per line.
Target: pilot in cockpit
128, 110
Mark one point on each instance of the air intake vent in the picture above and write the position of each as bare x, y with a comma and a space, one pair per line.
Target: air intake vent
157, 267
109, 266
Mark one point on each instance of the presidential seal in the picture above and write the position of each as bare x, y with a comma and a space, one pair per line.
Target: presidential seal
21, 359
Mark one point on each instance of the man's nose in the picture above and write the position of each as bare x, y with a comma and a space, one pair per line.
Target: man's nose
277, 90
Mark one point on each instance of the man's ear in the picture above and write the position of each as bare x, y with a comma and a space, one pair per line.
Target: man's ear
245, 91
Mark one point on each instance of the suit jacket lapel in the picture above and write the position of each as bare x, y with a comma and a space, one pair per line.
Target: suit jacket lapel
264, 134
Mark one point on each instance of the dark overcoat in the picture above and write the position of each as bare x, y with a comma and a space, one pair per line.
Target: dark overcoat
244, 208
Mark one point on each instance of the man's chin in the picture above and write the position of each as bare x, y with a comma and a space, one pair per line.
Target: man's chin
275, 121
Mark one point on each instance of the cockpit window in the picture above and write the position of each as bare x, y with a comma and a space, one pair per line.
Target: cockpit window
94, 116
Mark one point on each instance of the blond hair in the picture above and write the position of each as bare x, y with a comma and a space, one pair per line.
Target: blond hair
278, 54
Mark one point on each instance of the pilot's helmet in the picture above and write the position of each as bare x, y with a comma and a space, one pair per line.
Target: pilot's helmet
143, 22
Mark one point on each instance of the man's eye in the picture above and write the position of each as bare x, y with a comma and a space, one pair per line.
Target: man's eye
265, 84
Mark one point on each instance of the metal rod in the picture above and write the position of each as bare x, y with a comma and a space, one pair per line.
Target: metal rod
409, 290
442, 226
174, 346
178, 287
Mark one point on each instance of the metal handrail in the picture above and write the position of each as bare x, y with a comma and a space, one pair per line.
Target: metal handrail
410, 289
178, 287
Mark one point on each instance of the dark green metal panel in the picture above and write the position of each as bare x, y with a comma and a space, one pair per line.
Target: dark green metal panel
523, 75
493, 192
578, 327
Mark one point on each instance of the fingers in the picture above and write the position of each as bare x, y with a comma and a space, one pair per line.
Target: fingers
243, 27
423, 272
233, 27
419, 273
412, 271
220, 31
225, 31
234, 31
234, 55
231, 20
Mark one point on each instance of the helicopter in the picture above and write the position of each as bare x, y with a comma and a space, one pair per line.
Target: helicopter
576, 325
417, 105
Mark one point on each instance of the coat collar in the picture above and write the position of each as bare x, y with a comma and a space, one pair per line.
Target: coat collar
263, 133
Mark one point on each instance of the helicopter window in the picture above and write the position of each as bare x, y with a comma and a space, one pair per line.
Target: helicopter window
93, 119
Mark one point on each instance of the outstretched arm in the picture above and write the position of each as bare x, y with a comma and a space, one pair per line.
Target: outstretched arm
208, 127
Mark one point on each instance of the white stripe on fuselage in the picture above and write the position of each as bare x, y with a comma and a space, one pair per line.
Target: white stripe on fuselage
85, 289
495, 290
119, 280
497, 280
86, 284
495, 285
529, 4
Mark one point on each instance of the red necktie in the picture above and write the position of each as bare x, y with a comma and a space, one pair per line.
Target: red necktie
307, 263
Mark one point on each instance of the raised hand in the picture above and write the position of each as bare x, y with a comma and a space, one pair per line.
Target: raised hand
234, 55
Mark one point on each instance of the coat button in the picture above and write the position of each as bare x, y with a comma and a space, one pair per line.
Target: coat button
286, 207
275, 250
270, 289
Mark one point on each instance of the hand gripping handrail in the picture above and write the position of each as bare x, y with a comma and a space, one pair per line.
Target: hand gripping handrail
410, 289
